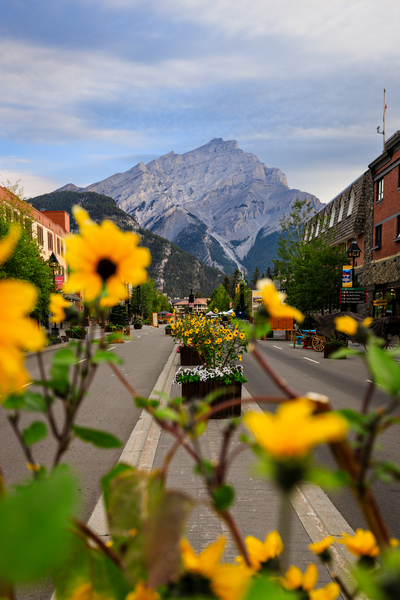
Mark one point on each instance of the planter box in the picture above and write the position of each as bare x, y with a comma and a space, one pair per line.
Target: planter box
190, 356
201, 389
328, 350
137, 326
168, 331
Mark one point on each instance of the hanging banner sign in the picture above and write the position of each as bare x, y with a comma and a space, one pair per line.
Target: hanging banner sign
347, 276
155, 319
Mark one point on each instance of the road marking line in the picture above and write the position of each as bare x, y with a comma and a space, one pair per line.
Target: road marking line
311, 360
83, 360
278, 347
112, 348
138, 336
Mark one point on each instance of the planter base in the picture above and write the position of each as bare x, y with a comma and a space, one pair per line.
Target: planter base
328, 350
201, 389
190, 356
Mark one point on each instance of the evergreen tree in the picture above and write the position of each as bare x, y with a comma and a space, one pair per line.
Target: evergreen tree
227, 285
256, 277
220, 299
119, 315
269, 273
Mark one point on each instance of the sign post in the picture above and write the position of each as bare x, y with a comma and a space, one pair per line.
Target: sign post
356, 295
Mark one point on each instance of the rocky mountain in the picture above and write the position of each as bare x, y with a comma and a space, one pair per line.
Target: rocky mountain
174, 271
217, 201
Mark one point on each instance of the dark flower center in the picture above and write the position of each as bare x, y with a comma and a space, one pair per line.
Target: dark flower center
106, 268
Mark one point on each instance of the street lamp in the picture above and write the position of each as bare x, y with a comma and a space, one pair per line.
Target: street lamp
191, 301
353, 252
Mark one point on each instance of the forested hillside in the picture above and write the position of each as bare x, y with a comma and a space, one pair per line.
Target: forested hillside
174, 271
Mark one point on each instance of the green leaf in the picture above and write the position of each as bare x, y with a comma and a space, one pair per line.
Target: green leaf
145, 402
223, 497
100, 439
14, 402
34, 402
356, 421
104, 356
138, 501
106, 480
385, 370
328, 479
167, 414
34, 521
64, 358
264, 587
35, 432
85, 565
59, 380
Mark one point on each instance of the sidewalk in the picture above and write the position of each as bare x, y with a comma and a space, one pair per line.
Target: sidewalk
257, 503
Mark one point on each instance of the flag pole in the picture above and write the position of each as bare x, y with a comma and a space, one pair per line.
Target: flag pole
384, 117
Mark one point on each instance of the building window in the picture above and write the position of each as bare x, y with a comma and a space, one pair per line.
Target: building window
351, 202
58, 246
317, 229
379, 190
40, 237
378, 237
341, 209
50, 240
332, 216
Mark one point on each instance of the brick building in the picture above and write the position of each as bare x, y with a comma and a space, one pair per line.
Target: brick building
382, 272
368, 211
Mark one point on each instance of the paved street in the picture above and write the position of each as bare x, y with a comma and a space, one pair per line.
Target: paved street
344, 382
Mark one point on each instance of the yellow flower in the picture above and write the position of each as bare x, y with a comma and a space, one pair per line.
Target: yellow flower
86, 592
227, 581
367, 322
322, 546
242, 336
240, 357
57, 305
102, 257
274, 301
17, 300
346, 325
294, 430
295, 580
329, 592
363, 543
261, 552
141, 592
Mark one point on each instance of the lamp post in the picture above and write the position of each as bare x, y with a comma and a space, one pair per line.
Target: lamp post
353, 252
53, 263
191, 301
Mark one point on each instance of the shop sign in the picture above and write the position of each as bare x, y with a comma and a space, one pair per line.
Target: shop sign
381, 302
155, 319
59, 281
356, 295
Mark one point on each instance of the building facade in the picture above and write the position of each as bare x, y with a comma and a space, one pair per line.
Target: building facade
382, 272
48, 227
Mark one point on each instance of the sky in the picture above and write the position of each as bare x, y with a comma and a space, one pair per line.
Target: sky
89, 88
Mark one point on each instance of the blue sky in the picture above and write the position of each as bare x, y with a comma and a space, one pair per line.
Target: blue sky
92, 87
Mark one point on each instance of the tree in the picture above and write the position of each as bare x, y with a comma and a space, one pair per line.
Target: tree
227, 285
220, 299
26, 262
256, 277
309, 271
148, 300
235, 279
119, 315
